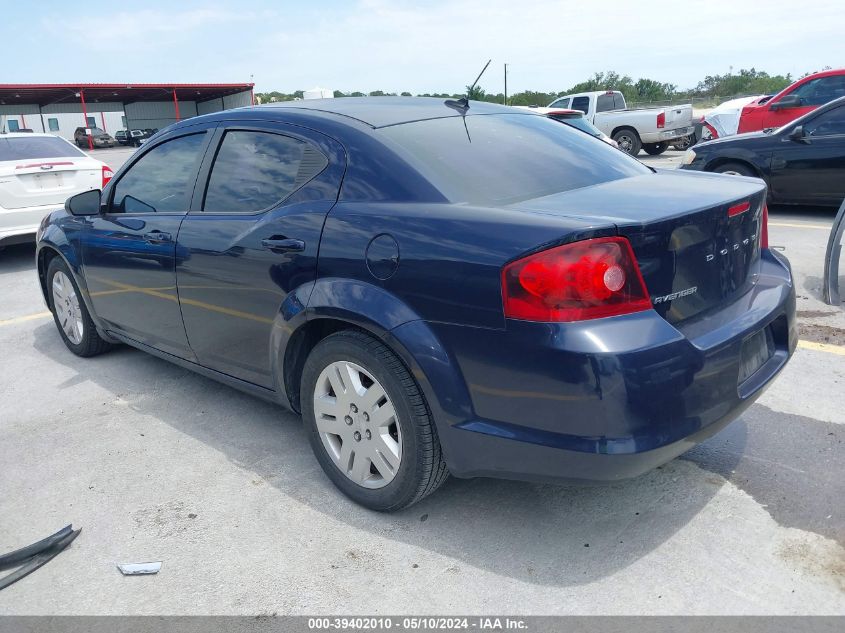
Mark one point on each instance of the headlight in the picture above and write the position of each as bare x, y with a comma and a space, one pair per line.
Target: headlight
689, 156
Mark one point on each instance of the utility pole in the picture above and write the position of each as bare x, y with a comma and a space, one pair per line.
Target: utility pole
506, 84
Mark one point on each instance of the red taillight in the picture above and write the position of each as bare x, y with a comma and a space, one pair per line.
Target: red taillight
107, 175
574, 282
738, 209
764, 229
661, 120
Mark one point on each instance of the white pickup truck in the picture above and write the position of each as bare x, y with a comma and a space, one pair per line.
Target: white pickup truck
651, 129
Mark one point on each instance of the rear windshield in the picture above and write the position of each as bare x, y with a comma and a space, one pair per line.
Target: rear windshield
20, 148
506, 158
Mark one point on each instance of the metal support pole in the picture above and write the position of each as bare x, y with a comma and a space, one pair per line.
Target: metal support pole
176, 104
85, 114
23, 121
830, 282
41, 117
103, 120
506, 84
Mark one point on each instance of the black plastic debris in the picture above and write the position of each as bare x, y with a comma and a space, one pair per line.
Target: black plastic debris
33, 556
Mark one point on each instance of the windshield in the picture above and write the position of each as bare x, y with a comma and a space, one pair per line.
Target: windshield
20, 148
505, 158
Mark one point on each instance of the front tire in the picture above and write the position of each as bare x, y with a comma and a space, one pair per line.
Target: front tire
369, 424
70, 313
735, 169
628, 141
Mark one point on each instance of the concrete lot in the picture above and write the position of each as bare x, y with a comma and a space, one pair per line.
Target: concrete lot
157, 463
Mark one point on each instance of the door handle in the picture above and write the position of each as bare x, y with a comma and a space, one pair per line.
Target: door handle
283, 245
157, 237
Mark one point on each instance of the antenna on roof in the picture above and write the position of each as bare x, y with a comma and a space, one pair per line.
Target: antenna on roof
463, 102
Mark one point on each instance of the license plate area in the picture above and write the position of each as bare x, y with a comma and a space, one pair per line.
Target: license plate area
756, 351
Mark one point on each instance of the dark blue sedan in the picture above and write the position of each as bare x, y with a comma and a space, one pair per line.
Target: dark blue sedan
437, 287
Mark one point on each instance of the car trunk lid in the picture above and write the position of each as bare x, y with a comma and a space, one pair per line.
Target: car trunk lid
696, 236
44, 181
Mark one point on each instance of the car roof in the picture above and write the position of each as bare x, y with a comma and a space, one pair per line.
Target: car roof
27, 135
379, 112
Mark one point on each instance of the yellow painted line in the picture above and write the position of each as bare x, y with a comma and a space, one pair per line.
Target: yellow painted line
828, 348
800, 226
24, 319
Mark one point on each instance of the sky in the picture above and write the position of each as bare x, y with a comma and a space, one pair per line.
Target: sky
398, 45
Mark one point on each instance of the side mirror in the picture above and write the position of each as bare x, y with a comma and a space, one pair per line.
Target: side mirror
797, 134
84, 204
789, 101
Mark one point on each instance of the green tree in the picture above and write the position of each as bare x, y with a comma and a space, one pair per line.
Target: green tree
475, 93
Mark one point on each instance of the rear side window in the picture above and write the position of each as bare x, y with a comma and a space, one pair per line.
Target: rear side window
581, 103
162, 180
560, 103
36, 147
506, 158
254, 171
605, 103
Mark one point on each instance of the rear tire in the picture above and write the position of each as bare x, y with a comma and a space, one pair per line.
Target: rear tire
655, 149
70, 313
628, 141
344, 375
684, 143
735, 169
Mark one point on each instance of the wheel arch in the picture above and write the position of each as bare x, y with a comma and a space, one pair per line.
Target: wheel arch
619, 128
341, 304
723, 160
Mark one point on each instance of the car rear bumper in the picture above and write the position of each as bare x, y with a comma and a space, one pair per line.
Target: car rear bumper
668, 135
20, 225
612, 398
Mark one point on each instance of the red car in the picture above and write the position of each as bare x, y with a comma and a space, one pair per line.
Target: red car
796, 100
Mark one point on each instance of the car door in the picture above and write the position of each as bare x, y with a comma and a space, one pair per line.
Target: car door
808, 96
811, 169
251, 239
129, 251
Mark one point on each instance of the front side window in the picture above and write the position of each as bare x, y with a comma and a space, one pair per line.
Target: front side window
162, 179
255, 170
581, 103
820, 90
830, 123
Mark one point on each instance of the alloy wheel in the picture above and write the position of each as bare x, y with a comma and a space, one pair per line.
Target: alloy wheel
357, 424
66, 305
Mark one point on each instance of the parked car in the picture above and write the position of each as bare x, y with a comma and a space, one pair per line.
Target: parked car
797, 99
37, 173
148, 134
434, 291
723, 120
98, 137
122, 137
651, 129
802, 162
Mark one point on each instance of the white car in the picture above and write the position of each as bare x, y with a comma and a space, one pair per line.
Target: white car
38, 172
